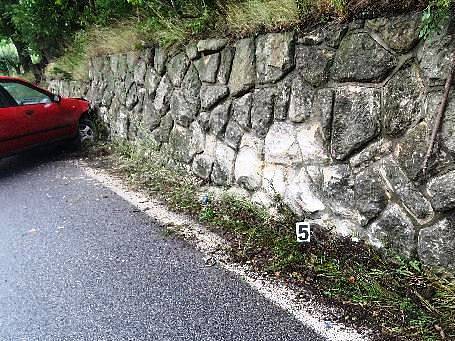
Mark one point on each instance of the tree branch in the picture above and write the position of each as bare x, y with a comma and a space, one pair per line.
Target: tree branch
451, 29
441, 110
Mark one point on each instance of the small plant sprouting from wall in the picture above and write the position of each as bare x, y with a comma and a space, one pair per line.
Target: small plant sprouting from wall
435, 16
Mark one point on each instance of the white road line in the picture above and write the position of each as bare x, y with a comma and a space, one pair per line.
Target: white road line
309, 313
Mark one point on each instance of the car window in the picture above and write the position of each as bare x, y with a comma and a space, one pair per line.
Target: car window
3, 101
24, 95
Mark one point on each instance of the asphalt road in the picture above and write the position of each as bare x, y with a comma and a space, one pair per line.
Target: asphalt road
79, 263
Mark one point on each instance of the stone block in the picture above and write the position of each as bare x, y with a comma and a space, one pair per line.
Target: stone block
411, 150
301, 103
177, 67
274, 56
370, 195
208, 67
211, 95
402, 101
436, 245
282, 146
241, 110
414, 201
224, 71
182, 111
442, 191
400, 33
314, 63
435, 56
223, 167
249, 164
300, 196
243, 75
219, 118
211, 45
393, 230
356, 120
361, 59
262, 111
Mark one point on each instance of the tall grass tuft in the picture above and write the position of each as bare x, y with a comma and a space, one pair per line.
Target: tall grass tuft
121, 37
251, 15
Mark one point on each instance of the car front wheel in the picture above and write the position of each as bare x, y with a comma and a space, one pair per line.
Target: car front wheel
86, 132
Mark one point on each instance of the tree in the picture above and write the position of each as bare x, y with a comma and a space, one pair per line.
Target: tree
45, 27
448, 86
8, 32
451, 13
8, 57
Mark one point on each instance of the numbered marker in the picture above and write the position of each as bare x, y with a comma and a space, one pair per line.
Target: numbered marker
303, 231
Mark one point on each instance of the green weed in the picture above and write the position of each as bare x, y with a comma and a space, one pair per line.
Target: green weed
409, 301
252, 15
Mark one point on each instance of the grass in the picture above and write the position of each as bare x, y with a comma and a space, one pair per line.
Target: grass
130, 34
253, 15
120, 37
399, 297
171, 31
231, 18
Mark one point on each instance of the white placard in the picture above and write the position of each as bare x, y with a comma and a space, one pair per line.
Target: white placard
303, 232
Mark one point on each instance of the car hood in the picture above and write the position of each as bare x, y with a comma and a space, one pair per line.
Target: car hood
76, 104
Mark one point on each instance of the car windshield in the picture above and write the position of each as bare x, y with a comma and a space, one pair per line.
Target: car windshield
23, 94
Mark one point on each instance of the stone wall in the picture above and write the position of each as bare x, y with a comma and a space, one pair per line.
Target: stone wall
336, 121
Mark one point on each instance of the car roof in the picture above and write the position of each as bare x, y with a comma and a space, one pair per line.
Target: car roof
7, 78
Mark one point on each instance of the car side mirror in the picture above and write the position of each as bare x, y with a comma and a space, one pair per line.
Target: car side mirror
56, 98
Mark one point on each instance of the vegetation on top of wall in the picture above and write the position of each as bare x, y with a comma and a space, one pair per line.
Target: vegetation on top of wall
67, 32
434, 16
175, 22
398, 297
96, 40
253, 15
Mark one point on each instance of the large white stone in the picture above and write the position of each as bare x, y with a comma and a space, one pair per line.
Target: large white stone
223, 168
203, 163
197, 138
274, 179
263, 199
121, 124
300, 196
248, 166
311, 145
281, 145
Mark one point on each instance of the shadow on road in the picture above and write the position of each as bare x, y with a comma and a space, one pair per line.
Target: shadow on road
27, 161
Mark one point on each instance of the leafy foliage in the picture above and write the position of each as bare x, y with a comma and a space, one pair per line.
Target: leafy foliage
434, 17
44, 24
45, 27
9, 60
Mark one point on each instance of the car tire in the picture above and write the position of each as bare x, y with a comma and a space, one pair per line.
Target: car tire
86, 134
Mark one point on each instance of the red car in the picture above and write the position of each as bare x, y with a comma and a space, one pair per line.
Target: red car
31, 116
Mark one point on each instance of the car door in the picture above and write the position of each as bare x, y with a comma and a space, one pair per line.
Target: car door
12, 126
44, 122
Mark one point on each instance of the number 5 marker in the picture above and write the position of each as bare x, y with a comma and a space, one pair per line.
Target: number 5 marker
303, 231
